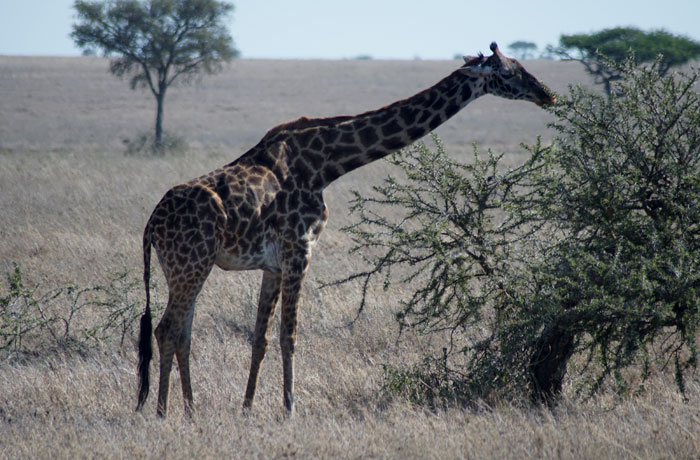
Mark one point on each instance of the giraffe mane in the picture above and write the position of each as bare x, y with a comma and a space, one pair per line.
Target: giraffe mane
306, 122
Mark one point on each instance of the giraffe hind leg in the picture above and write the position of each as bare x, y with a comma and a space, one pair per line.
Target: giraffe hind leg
174, 331
187, 225
166, 350
182, 351
173, 335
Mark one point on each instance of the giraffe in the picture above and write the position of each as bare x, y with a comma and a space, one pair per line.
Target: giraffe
265, 211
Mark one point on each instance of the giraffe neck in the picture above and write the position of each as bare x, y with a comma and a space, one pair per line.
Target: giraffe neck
362, 139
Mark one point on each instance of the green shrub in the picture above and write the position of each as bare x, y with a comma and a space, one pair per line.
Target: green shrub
145, 143
628, 204
38, 322
590, 248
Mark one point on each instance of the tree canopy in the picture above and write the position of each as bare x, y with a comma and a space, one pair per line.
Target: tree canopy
523, 49
156, 41
617, 43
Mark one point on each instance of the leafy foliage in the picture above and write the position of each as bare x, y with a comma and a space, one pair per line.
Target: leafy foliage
461, 245
628, 201
590, 248
35, 322
617, 43
156, 41
451, 221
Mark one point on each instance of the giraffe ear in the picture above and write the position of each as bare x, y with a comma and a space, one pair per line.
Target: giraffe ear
476, 66
473, 60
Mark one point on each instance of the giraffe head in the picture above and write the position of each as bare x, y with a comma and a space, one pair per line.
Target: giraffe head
507, 78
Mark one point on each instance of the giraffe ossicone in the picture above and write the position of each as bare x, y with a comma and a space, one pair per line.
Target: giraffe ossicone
265, 211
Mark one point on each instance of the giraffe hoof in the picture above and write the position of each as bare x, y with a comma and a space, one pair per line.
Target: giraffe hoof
289, 404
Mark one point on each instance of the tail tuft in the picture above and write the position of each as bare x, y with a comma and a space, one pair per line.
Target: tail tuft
145, 342
145, 355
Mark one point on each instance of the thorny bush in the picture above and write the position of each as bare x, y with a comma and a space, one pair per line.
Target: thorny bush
40, 322
590, 248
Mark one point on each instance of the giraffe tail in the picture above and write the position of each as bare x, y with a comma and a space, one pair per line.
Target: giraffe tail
145, 342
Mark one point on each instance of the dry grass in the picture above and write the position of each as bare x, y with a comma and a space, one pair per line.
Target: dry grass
72, 209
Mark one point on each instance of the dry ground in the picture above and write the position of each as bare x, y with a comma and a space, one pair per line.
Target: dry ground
72, 209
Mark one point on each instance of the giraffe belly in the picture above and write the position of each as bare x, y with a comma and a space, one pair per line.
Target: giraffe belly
265, 258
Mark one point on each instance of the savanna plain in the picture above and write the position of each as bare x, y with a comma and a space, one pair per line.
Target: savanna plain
72, 210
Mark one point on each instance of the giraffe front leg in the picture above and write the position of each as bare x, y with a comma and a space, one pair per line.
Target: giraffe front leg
291, 288
269, 295
288, 342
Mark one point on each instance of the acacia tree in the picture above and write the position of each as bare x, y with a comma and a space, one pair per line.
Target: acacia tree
617, 43
156, 41
590, 247
523, 49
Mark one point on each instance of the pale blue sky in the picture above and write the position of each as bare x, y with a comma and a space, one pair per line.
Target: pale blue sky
330, 29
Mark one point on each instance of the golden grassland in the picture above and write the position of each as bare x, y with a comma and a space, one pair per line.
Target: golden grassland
72, 210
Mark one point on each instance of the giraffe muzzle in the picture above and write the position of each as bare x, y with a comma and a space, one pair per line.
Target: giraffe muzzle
549, 100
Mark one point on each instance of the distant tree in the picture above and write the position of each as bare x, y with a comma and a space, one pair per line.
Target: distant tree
156, 41
617, 43
522, 49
